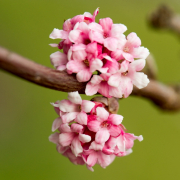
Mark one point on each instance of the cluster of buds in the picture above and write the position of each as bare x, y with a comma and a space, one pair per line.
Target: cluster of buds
100, 54
88, 133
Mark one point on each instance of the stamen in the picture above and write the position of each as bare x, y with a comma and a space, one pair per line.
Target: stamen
86, 62
125, 73
105, 35
126, 49
105, 124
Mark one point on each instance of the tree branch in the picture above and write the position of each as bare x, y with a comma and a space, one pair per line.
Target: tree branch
38, 74
165, 97
165, 18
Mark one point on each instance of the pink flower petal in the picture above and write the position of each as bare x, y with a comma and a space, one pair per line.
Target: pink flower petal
116, 119
95, 65
96, 79
96, 36
117, 54
96, 27
134, 40
127, 86
84, 138
140, 52
61, 149
121, 143
65, 139
77, 128
114, 130
53, 45
92, 159
75, 66
102, 113
94, 145
58, 58
128, 56
103, 159
84, 28
74, 97
112, 142
140, 80
115, 91
91, 89
67, 26
68, 117
114, 80
78, 18
96, 12
117, 30
106, 24
81, 118
58, 34
74, 35
102, 136
103, 70
104, 89
105, 76
94, 126
69, 54
90, 168
54, 138
76, 146
121, 42
68, 106
61, 67
92, 48
56, 124
78, 47
140, 138
138, 65
84, 75
79, 55
87, 106
111, 43
65, 128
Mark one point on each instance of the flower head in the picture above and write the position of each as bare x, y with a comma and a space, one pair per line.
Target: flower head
88, 133
99, 48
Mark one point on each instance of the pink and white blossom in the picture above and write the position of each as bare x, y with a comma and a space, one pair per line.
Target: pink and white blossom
128, 76
101, 55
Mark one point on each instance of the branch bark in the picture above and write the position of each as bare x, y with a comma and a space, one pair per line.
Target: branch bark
165, 18
165, 97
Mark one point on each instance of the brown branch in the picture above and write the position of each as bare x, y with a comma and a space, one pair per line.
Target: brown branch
38, 74
165, 18
166, 97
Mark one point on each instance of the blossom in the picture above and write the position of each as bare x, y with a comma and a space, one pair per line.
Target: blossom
99, 48
101, 55
88, 133
130, 48
105, 125
99, 83
128, 75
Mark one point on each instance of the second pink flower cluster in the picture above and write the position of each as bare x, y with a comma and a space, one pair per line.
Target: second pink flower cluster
101, 54
88, 133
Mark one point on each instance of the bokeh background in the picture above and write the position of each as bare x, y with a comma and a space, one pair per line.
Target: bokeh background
26, 115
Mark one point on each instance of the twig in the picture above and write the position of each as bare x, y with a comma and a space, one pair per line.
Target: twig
165, 18
166, 97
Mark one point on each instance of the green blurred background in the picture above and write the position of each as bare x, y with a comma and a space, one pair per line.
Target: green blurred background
26, 115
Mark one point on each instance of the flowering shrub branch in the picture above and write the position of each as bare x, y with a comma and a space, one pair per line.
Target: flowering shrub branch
95, 58
164, 96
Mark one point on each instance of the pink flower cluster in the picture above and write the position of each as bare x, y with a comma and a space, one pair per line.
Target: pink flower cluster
100, 54
88, 133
